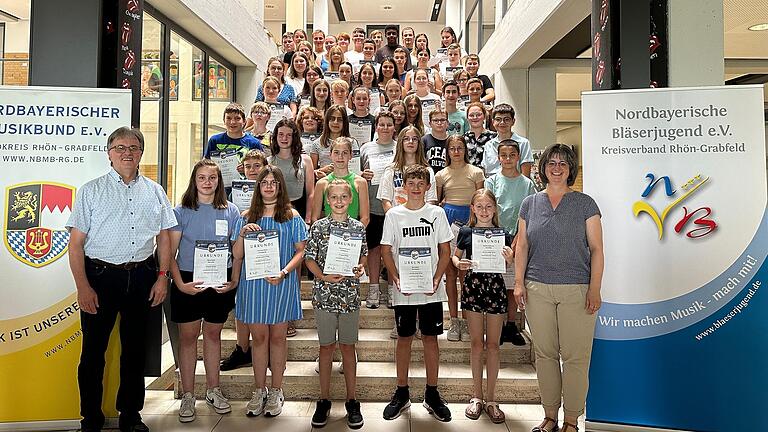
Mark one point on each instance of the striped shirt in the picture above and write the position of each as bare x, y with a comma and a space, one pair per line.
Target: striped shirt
257, 300
121, 220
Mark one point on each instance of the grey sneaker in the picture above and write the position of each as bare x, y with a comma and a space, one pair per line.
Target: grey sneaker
215, 399
274, 405
187, 408
372, 301
464, 330
454, 331
256, 405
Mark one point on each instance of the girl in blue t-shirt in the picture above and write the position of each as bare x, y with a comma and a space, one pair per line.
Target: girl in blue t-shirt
483, 295
204, 214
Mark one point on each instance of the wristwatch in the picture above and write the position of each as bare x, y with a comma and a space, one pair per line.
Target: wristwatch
165, 274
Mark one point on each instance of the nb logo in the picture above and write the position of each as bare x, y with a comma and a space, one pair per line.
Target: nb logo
704, 226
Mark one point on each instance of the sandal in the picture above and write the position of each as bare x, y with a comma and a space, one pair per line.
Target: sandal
543, 426
474, 409
291, 332
494, 412
567, 426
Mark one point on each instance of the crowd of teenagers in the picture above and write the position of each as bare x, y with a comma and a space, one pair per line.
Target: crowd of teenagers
405, 147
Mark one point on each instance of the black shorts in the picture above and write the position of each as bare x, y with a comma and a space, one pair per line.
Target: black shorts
430, 319
374, 231
208, 305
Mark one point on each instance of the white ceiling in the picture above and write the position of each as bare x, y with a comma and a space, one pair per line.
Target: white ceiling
18, 8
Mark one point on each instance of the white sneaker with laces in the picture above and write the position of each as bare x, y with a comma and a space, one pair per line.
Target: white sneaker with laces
454, 331
393, 333
187, 408
256, 405
216, 399
464, 330
372, 301
274, 405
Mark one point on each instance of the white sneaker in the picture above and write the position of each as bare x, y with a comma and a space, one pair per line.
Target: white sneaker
372, 301
274, 405
317, 366
454, 331
390, 295
187, 408
256, 405
215, 399
393, 334
464, 330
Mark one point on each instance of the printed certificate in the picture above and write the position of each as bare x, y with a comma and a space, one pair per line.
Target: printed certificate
361, 130
354, 162
227, 161
262, 254
375, 103
427, 106
415, 268
277, 113
242, 192
487, 244
377, 163
307, 139
343, 252
210, 266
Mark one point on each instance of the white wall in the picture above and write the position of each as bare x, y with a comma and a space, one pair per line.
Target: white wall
17, 37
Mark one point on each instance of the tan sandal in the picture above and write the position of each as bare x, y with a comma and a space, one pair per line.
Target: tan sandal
474, 409
567, 426
542, 427
291, 331
494, 412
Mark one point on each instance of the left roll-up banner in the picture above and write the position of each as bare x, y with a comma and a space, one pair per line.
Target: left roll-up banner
52, 141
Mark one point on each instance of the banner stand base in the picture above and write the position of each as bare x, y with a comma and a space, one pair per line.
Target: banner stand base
53, 425
593, 426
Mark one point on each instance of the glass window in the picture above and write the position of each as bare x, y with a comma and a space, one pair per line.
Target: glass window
219, 95
151, 92
185, 125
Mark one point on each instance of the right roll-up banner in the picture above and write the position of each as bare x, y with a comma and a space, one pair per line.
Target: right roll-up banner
682, 337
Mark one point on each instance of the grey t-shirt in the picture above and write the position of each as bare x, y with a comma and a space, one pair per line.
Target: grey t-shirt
557, 239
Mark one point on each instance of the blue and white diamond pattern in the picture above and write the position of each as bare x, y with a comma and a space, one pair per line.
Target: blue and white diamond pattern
16, 242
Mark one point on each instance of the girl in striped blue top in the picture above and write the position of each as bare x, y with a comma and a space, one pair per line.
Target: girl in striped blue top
266, 305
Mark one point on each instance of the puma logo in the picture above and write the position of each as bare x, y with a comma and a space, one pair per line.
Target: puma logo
431, 224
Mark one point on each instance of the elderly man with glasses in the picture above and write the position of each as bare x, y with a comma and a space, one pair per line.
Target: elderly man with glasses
116, 222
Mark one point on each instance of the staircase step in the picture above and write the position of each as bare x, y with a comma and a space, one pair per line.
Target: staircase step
376, 345
376, 381
380, 318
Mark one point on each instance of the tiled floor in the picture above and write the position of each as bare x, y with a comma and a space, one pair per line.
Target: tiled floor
160, 414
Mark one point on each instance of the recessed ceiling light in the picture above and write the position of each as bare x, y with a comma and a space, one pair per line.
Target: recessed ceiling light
759, 27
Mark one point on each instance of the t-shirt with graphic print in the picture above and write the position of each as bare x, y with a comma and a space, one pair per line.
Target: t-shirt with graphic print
426, 227
340, 297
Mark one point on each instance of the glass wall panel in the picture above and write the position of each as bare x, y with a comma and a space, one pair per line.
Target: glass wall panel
185, 125
151, 92
219, 95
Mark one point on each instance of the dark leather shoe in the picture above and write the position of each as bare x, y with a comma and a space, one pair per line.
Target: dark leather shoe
138, 426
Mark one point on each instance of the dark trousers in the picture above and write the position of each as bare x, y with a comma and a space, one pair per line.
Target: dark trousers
125, 292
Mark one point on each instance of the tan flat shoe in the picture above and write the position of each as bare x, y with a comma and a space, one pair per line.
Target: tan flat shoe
474, 409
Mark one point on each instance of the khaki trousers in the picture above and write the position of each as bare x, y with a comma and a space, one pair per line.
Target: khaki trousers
561, 329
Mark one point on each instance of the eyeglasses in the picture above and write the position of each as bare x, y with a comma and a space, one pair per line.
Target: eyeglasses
561, 164
503, 119
440, 120
267, 183
122, 149
410, 139
260, 113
